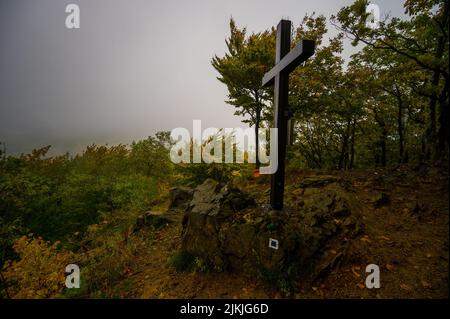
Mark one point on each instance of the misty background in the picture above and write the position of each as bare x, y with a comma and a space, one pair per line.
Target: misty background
132, 69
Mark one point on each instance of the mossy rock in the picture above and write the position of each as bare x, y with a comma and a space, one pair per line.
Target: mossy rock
236, 238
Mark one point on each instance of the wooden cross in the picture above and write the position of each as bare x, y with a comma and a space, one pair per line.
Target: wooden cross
286, 61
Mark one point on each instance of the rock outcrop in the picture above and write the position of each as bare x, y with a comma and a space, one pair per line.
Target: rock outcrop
180, 198
227, 230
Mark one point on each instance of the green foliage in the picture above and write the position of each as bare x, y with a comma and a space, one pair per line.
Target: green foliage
111, 253
150, 156
388, 105
193, 174
284, 280
242, 69
109, 263
55, 197
202, 266
196, 173
411, 63
40, 271
182, 261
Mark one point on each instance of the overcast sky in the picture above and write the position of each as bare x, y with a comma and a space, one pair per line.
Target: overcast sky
133, 68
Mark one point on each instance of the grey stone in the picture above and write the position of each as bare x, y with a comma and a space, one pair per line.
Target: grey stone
223, 227
180, 197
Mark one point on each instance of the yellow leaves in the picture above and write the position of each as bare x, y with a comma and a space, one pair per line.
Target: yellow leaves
40, 273
405, 287
93, 228
426, 284
365, 238
390, 267
361, 286
355, 270
236, 173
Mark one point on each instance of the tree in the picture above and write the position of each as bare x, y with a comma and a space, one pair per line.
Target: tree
391, 77
325, 102
241, 69
151, 156
423, 41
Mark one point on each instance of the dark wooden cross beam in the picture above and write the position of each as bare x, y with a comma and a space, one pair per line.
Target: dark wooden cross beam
286, 61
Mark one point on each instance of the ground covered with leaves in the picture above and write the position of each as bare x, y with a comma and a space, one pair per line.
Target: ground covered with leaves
405, 213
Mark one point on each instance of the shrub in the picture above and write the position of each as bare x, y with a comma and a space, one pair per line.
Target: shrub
40, 272
182, 261
111, 254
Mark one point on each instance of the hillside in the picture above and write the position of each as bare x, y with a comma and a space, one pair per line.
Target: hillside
407, 236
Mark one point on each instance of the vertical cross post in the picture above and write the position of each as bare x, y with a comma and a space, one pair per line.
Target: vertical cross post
286, 61
283, 46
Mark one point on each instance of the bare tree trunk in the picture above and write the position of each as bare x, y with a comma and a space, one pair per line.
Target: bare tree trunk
400, 128
352, 145
257, 122
383, 146
383, 138
343, 158
443, 133
431, 130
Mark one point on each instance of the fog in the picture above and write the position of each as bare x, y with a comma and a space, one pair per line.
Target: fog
133, 67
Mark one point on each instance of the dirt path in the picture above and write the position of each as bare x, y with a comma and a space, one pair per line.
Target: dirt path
158, 280
406, 234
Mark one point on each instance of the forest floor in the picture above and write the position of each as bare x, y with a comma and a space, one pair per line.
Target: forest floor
406, 232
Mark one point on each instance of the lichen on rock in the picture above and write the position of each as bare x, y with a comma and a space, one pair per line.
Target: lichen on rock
224, 227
